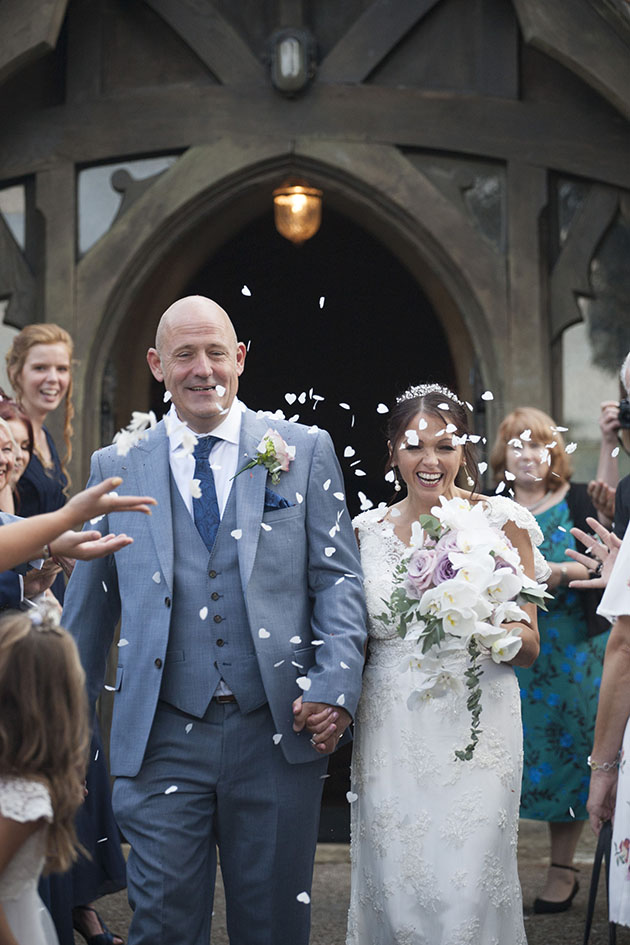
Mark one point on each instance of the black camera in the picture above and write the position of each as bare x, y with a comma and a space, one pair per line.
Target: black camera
624, 414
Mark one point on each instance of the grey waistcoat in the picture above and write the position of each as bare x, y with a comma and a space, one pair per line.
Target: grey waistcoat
209, 635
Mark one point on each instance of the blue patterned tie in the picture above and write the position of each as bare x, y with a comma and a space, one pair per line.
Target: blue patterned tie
206, 509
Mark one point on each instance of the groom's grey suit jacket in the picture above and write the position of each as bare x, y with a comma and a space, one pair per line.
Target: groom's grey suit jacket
299, 573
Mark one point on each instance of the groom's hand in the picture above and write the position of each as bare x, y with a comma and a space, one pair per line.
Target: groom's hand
326, 723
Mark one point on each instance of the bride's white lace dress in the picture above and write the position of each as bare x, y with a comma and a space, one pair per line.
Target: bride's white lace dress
26, 800
433, 838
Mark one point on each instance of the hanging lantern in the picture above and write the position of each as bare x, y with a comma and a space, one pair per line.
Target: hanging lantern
297, 211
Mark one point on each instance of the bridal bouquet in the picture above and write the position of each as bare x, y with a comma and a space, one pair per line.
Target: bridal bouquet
457, 586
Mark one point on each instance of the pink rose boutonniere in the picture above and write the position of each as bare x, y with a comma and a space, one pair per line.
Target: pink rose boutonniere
273, 453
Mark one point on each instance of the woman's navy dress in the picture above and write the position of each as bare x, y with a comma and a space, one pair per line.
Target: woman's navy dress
41, 490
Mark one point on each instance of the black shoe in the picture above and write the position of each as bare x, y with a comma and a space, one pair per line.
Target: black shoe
547, 906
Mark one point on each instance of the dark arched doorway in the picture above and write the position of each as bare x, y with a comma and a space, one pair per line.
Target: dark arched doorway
339, 318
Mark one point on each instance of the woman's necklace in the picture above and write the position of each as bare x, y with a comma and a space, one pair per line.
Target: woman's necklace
536, 505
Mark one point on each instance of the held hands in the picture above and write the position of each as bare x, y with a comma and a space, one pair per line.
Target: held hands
601, 554
326, 723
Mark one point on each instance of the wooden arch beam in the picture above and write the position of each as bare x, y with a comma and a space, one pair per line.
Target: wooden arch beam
219, 46
30, 28
574, 33
370, 38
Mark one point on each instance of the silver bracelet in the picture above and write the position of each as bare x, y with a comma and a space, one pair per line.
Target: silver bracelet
603, 765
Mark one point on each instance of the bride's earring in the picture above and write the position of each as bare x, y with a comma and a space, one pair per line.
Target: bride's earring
397, 485
469, 478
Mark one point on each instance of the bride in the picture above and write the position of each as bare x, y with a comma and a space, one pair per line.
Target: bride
434, 837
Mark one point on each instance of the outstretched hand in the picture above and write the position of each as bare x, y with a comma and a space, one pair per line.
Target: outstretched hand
326, 723
101, 500
603, 498
601, 554
85, 546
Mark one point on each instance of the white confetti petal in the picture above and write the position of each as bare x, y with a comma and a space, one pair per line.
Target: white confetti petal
294, 418
304, 683
322, 299
412, 437
245, 291
314, 429
348, 452
263, 634
102, 840
237, 533
290, 398
339, 495
95, 521
167, 396
344, 665
422, 424
394, 512
104, 586
482, 467
499, 489
275, 665
195, 488
451, 428
443, 406
188, 728
365, 502
382, 408
615, 452
509, 476
295, 640
299, 497
277, 738
570, 448
339, 581
329, 551
360, 472
351, 797
345, 406
123, 642
157, 577
303, 897
220, 389
302, 398
203, 613
572, 812
390, 475
327, 485
265, 526
469, 405
171, 789
487, 395
317, 642
341, 700
110, 688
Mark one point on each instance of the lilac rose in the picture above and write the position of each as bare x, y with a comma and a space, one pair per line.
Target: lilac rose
444, 569
420, 572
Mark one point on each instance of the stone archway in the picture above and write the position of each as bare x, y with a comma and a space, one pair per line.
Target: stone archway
154, 249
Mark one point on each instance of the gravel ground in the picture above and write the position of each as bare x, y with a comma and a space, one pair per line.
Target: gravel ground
331, 888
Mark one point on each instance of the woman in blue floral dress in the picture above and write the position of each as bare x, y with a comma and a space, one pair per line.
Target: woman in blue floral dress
559, 692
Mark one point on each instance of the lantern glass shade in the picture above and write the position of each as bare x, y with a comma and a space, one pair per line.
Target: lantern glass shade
297, 212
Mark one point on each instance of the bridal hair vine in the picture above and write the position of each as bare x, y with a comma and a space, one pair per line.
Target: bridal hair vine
421, 390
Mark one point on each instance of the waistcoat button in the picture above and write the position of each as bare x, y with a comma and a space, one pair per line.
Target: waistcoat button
158, 663
217, 618
220, 642
167, 601
212, 574
214, 595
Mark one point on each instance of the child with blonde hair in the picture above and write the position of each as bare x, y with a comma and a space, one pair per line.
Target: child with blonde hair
43, 755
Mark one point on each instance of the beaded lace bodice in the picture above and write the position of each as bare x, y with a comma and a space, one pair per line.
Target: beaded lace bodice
24, 800
381, 550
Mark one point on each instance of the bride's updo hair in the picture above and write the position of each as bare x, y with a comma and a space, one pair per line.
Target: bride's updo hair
439, 402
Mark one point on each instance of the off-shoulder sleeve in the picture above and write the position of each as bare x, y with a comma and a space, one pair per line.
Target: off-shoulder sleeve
502, 510
24, 800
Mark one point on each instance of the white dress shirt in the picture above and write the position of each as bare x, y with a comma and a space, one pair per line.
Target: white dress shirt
223, 455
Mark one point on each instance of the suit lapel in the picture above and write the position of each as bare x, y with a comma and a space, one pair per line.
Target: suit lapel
250, 494
151, 459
